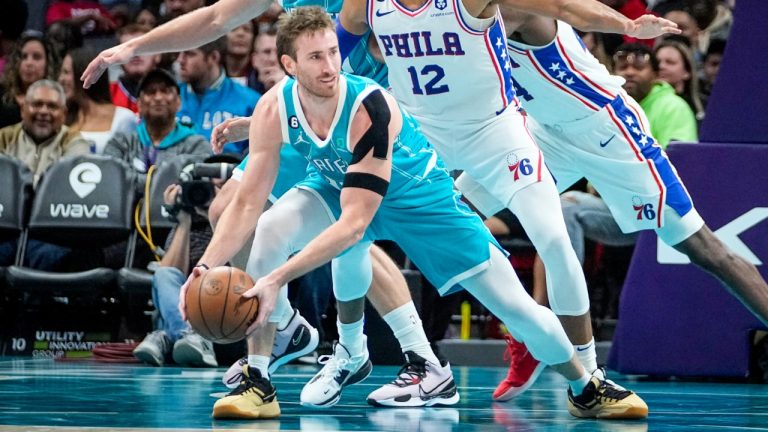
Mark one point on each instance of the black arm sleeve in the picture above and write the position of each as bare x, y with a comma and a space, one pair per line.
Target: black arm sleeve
377, 136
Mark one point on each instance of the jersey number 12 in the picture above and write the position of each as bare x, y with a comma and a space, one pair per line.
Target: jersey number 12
432, 86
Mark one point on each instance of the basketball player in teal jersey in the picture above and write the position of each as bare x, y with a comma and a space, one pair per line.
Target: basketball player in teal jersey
389, 293
376, 177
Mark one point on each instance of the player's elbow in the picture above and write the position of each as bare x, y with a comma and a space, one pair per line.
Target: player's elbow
356, 229
221, 19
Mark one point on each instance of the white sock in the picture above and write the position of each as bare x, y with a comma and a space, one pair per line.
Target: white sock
587, 355
285, 319
351, 336
406, 325
577, 385
261, 363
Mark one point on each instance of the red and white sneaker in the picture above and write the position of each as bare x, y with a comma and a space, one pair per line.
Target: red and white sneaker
524, 370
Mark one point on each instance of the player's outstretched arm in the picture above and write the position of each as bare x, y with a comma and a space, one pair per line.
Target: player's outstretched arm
373, 129
186, 32
592, 15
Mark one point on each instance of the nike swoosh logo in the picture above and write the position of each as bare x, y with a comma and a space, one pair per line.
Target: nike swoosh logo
585, 348
603, 144
380, 14
295, 341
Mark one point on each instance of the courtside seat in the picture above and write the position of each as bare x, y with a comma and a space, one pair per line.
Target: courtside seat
15, 199
15, 195
82, 202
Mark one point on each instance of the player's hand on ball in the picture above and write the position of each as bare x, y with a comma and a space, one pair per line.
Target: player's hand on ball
197, 271
266, 290
231, 130
651, 26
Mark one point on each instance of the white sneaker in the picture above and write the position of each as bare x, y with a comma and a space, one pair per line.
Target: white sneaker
324, 389
296, 340
153, 348
419, 383
194, 350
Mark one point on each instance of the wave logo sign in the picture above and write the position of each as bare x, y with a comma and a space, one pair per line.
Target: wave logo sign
84, 177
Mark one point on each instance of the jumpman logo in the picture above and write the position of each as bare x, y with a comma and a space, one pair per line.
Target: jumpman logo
300, 139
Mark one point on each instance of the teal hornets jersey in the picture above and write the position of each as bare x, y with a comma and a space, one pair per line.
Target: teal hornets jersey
360, 61
414, 162
293, 168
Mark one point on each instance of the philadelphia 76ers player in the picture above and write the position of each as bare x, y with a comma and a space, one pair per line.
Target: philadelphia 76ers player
601, 133
448, 65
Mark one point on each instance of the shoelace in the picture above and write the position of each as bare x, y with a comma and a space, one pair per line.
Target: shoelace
333, 366
251, 384
409, 373
514, 348
608, 392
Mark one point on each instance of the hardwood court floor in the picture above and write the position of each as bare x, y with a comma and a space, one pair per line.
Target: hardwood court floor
43, 395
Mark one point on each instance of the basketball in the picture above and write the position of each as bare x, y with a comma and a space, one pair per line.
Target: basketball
216, 309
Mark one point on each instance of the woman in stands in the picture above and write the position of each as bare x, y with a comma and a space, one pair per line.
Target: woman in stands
91, 111
676, 66
32, 60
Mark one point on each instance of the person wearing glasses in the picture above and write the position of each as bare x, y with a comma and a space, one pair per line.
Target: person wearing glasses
670, 117
587, 124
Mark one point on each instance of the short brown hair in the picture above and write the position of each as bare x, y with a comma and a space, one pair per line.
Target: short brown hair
308, 19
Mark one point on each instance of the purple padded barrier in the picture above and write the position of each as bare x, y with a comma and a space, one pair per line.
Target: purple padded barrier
737, 111
674, 319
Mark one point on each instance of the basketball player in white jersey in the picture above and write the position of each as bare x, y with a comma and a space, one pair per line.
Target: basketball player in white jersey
599, 132
448, 66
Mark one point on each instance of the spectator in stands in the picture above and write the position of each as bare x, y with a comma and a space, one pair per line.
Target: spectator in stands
146, 18
38, 142
64, 37
209, 96
710, 68
42, 138
33, 59
237, 60
678, 12
175, 8
89, 15
676, 67
669, 115
159, 135
266, 68
91, 111
125, 90
12, 22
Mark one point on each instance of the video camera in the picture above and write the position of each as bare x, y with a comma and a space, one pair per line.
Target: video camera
197, 189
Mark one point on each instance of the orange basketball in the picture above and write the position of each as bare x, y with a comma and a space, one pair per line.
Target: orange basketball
216, 309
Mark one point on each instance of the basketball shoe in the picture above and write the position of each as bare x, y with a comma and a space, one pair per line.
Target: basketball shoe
255, 397
154, 348
194, 350
603, 399
524, 370
419, 383
297, 339
339, 370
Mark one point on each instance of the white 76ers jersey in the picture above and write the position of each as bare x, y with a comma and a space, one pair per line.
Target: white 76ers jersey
561, 81
444, 65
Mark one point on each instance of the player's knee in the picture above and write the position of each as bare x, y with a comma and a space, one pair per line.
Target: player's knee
271, 234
